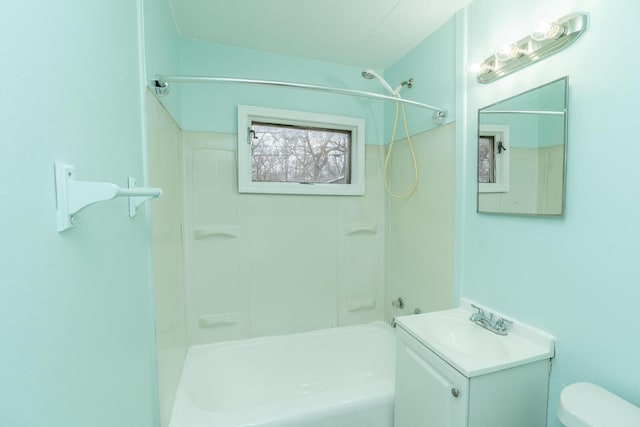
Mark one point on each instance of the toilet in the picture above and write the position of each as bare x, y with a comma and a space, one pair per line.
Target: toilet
588, 405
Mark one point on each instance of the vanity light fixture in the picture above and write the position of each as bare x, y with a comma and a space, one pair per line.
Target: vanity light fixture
507, 51
547, 37
546, 28
481, 68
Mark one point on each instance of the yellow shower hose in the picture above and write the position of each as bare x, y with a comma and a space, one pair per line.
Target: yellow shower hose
387, 186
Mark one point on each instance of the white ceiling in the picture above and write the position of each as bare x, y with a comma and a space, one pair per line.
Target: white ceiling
363, 33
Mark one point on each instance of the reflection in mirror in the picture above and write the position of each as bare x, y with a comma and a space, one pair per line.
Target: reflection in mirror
521, 152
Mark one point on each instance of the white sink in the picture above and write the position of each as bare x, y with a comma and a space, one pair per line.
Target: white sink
465, 337
470, 348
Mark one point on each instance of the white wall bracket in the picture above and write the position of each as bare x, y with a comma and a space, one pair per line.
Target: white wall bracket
72, 196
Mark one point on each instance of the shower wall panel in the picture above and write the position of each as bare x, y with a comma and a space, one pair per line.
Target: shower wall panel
420, 257
542, 194
165, 171
273, 264
362, 231
217, 284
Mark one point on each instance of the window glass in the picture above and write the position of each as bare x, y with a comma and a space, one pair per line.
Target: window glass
486, 159
493, 159
286, 153
295, 152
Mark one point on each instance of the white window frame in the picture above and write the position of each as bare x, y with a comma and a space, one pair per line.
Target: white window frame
248, 114
502, 159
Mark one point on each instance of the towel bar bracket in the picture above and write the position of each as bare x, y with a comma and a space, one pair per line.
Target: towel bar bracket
72, 196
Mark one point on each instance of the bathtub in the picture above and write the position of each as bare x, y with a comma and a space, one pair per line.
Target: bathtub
340, 377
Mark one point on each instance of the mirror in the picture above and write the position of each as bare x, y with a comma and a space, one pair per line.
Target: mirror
522, 152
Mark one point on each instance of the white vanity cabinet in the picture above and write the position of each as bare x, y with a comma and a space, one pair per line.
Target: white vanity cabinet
429, 392
432, 393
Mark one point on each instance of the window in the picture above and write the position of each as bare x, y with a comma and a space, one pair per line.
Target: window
291, 152
486, 159
493, 159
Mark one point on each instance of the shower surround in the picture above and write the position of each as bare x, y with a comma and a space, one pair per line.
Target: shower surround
257, 265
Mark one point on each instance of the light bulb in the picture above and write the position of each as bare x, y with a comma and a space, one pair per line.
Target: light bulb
507, 51
545, 28
480, 68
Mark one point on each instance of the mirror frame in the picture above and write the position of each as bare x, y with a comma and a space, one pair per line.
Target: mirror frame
564, 152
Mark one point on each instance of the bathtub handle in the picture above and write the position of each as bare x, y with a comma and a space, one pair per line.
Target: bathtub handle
398, 303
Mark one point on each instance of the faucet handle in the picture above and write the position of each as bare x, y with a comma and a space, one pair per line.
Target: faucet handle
478, 315
503, 324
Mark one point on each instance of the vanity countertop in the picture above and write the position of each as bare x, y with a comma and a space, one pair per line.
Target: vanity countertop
470, 348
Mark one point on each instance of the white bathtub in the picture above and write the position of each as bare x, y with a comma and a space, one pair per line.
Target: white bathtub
341, 377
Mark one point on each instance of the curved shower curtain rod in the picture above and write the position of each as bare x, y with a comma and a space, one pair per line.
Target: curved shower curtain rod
161, 87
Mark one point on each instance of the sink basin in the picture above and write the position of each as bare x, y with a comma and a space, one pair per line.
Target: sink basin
470, 348
465, 337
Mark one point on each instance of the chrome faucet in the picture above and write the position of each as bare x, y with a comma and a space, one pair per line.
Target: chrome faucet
484, 319
478, 315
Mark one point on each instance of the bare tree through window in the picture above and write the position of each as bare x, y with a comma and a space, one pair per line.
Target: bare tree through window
285, 153
486, 159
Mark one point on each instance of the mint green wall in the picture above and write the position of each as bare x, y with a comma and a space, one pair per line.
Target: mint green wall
432, 66
523, 129
213, 108
577, 276
532, 130
161, 55
528, 130
75, 316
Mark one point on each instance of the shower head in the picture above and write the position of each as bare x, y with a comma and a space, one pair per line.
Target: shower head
370, 75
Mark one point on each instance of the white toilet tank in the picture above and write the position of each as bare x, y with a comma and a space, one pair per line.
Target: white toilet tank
588, 405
